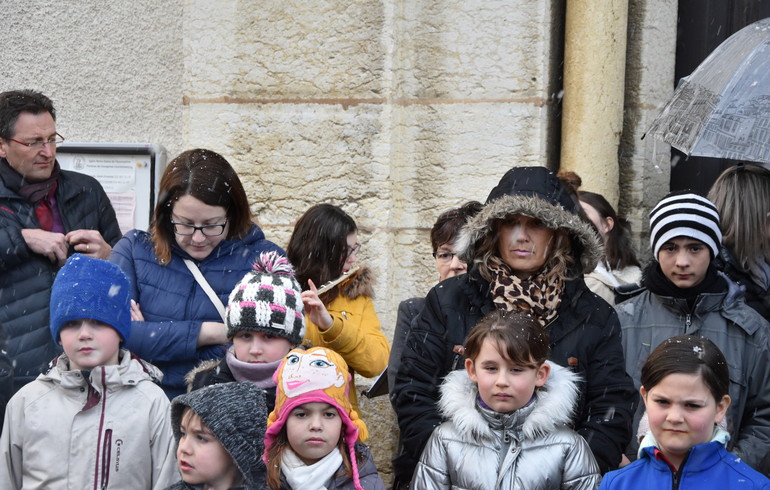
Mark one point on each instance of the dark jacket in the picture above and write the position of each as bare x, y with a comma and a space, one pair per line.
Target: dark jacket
585, 335
367, 474
26, 277
756, 296
173, 303
408, 310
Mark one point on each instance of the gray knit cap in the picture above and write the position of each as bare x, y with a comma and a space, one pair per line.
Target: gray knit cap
237, 415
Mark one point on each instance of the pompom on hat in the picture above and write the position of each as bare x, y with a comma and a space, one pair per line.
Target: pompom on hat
89, 288
268, 300
685, 214
315, 375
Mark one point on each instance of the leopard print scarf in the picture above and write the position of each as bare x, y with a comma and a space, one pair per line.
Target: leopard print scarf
536, 295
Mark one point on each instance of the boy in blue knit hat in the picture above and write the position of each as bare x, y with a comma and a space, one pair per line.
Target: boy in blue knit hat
96, 419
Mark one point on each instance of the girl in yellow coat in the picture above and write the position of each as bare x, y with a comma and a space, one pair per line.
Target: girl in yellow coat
322, 248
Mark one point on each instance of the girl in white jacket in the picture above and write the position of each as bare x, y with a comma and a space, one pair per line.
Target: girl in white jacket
506, 416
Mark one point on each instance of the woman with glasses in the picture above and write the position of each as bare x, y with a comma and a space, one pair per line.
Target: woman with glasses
202, 237
448, 264
323, 248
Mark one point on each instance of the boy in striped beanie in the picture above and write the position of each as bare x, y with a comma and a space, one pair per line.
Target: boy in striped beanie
684, 294
265, 320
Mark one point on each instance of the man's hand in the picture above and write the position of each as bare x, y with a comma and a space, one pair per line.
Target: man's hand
52, 245
89, 242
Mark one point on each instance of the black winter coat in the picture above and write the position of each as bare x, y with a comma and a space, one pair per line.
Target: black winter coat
26, 277
585, 336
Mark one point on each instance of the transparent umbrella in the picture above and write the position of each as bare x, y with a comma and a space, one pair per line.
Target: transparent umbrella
722, 110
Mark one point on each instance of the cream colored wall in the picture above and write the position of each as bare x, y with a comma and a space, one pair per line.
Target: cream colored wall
393, 110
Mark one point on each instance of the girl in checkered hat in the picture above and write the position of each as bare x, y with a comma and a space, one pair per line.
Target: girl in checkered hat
265, 320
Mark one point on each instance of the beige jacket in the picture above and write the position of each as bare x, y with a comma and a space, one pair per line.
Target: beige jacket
111, 430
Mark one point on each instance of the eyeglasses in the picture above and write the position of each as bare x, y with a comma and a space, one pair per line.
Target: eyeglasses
39, 144
186, 229
355, 248
444, 256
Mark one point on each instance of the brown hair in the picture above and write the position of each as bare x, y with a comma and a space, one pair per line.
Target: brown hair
558, 265
282, 441
448, 224
186, 418
208, 177
14, 102
318, 246
742, 196
517, 336
618, 247
688, 354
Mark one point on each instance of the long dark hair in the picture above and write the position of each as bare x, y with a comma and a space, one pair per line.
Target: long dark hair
688, 354
318, 246
208, 177
618, 248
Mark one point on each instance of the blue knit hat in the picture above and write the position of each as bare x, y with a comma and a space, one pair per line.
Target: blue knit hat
91, 288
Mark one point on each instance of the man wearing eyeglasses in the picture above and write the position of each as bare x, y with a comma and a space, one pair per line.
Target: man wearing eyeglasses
46, 214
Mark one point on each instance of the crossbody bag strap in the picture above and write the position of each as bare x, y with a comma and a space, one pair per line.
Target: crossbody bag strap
198, 275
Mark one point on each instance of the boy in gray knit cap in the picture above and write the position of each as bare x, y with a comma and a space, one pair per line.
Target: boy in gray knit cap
265, 320
219, 431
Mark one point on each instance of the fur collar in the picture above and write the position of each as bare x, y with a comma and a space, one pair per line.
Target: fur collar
555, 403
360, 283
587, 246
206, 365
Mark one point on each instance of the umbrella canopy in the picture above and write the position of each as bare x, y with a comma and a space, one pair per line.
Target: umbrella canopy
722, 110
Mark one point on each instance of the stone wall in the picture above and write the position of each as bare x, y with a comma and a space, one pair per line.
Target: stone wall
394, 110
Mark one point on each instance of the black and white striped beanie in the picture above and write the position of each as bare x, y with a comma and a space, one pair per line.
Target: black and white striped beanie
268, 300
685, 214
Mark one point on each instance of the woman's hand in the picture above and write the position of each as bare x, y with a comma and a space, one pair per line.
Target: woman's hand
212, 333
136, 312
315, 309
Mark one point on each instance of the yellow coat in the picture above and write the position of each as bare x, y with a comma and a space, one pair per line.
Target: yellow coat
355, 332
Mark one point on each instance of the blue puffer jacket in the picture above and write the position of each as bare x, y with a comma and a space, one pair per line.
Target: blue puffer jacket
174, 305
708, 465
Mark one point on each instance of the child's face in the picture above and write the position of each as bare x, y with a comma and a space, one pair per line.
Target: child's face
201, 458
503, 385
314, 430
684, 261
682, 413
259, 347
89, 343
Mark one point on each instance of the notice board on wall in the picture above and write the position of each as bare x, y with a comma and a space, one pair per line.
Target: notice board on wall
129, 172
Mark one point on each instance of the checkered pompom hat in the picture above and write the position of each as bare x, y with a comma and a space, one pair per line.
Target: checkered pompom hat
685, 214
268, 300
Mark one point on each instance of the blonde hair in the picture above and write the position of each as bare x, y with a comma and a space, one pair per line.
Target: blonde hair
742, 196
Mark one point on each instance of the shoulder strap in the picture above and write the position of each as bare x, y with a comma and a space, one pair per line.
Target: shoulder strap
206, 288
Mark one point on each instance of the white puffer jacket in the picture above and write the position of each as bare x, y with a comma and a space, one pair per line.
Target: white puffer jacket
112, 430
529, 449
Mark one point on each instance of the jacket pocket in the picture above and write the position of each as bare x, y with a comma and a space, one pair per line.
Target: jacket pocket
106, 458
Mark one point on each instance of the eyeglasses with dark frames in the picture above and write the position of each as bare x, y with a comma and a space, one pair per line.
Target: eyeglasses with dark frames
186, 229
39, 144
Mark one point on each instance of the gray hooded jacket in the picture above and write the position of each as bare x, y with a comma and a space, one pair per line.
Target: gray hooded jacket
740, 333
477, 448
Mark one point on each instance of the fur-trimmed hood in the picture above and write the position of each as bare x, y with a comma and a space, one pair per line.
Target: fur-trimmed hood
586, 245
361, 283
555, 404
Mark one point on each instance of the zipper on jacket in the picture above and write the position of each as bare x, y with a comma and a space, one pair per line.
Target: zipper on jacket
101, 428
687, 322
106, 458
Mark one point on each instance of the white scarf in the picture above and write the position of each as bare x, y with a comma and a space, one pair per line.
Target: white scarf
309, 477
